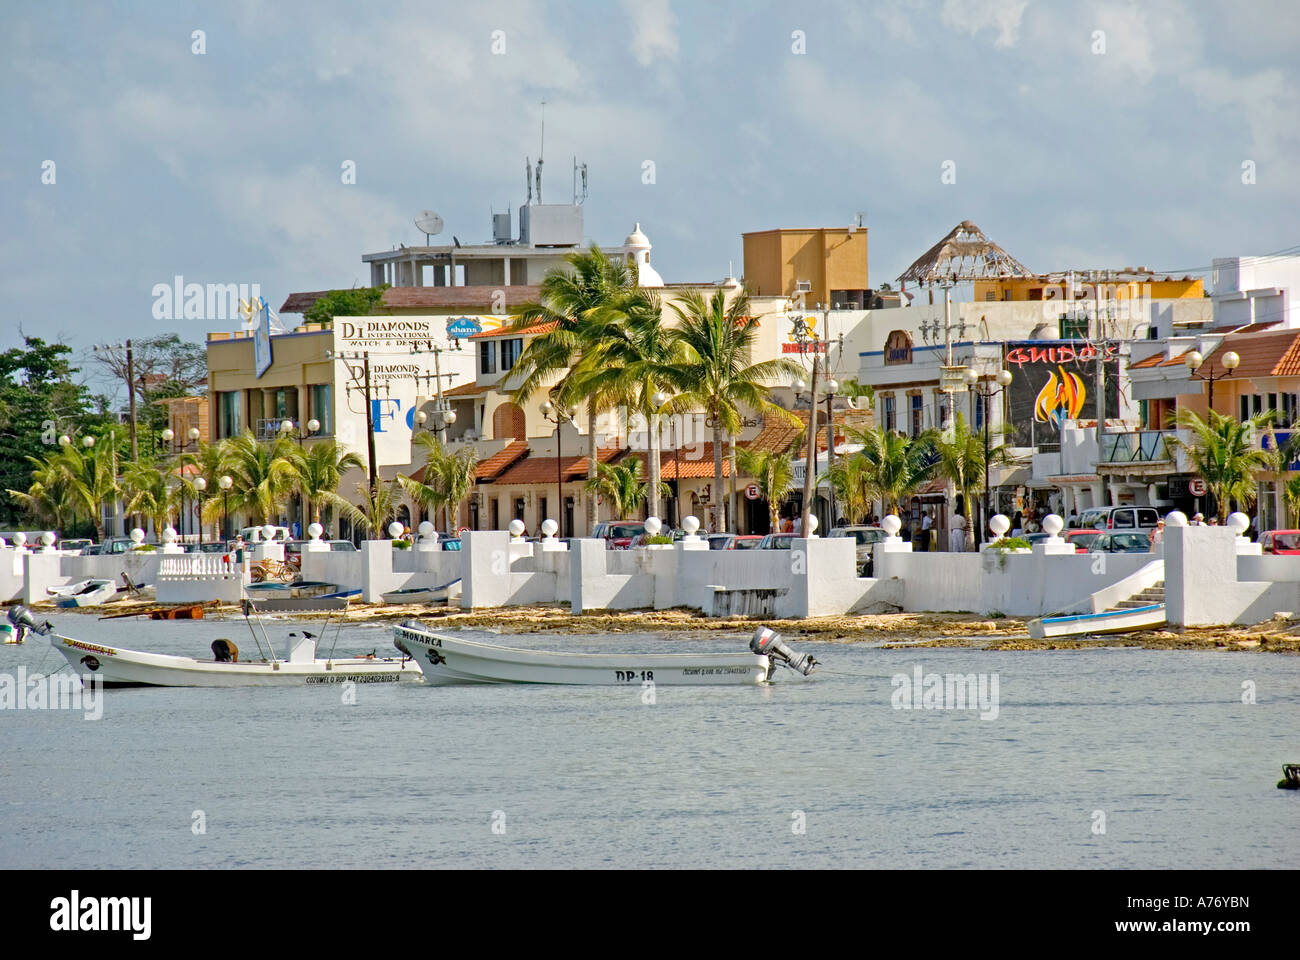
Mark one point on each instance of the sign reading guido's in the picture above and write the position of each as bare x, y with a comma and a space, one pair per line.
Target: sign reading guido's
1053, 381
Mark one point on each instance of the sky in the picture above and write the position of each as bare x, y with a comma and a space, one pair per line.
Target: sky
1097, 134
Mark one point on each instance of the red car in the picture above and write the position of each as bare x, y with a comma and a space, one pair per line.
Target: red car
1082, 539
1280, 541
619, 534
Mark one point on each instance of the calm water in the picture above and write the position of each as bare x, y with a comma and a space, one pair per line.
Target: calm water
410, 776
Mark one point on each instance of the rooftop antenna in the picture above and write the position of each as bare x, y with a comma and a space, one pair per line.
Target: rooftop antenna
540, 153
528, 177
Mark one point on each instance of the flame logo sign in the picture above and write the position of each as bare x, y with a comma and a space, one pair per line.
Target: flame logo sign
1060, 399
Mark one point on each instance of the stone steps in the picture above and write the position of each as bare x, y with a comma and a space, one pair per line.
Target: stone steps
1152, 594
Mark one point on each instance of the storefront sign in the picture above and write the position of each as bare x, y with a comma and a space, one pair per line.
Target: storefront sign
898, 347
1054, 381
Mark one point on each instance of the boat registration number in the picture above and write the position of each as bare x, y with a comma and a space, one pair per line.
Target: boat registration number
631, 676
355, 678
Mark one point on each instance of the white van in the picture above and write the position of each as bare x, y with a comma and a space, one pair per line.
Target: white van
1119, 518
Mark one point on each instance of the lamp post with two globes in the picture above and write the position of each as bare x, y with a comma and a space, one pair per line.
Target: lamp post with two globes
559, 416
983, 387
1229, 362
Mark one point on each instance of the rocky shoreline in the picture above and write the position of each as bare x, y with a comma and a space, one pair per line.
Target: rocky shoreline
891, 630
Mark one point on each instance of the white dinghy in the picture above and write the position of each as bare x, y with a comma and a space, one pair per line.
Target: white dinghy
1099, 624
119, 667
446, 659
83, 593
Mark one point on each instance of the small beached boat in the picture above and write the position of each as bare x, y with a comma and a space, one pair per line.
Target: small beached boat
421, 594
118, 667
1096, 624
446, 659
83, 593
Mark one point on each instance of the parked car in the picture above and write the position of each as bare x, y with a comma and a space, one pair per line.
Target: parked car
1107, 541
254, 534
618, 534
1280, 541
68, 546
451, 543
777, 541
1082, 539
734, 541
1118, 518
867, 538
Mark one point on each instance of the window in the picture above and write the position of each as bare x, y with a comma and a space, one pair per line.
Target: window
1074, 328
229, 415
510, 350
887, 411
1123, 518
918, 416
1245, 407
487, 357
320, 401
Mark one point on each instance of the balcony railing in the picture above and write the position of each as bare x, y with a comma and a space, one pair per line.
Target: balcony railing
1138, 446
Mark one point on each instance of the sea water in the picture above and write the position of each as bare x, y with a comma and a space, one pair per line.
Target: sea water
1095, 758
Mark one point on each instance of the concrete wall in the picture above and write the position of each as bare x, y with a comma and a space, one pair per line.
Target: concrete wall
1202, 584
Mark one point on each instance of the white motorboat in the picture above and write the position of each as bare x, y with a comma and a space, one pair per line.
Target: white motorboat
447, 659
83, 593
1099, 624
119, 667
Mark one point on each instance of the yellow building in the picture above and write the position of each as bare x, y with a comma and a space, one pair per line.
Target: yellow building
1091, 285
827, 265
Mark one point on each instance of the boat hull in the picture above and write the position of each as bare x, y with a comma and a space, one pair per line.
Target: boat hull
122, 668
452, 660
86, 593
1099, 624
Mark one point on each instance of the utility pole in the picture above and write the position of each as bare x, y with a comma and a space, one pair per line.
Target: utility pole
811, 461
130, 392
370, 431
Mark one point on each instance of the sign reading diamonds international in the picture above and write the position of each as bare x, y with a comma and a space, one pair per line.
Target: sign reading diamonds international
377, 333
1053, 381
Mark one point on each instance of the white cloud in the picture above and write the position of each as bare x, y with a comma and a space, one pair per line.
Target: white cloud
654, 29
972, 16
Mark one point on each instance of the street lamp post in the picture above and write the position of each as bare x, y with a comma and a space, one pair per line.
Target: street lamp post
559, 416
201, 485
1194, 360
225, 483
985, 390
660, 399
832, 386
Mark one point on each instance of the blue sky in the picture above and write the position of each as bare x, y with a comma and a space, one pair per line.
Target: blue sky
225, 167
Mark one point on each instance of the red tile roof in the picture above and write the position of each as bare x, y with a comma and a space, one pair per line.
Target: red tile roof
507, 331
488, 469
1274, 354
464, 390
1152, 361
543, 469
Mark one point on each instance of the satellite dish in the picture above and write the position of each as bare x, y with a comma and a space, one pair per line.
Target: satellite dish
429, 224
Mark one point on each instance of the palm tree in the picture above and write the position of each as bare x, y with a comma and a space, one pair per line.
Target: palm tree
629, 369
378, 506
624, 486
91, 476
448, 479
714, 373
49, 499
320, 470
570, 297
1221, 451
899, 464
1291, 495
960, 454
264, 473
774, 473
853, 480
151, 489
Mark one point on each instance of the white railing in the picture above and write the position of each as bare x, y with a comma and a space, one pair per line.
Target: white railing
197, 565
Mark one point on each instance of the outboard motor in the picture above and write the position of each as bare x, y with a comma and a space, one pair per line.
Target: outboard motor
768, 643
23, 621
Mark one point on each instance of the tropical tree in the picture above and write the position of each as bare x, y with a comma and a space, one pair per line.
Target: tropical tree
377, 509
91, 475
320, 470
49, 498
571, 299
898, 465
854, 481
1222, 451
448, 479
774, 473
1291, 496
265, 473
629, 369
150, 488
961, 461
714, 373
622, 485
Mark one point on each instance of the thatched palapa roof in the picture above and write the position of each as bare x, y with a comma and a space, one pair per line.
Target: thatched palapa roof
965, 254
